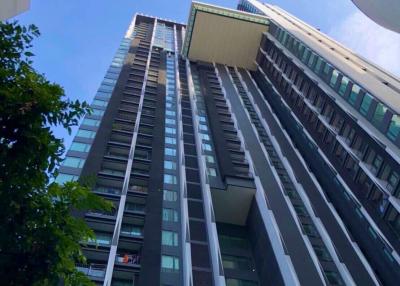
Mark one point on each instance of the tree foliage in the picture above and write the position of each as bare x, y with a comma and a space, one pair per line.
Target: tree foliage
39, 238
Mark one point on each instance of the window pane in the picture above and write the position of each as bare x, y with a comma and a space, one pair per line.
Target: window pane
327, 67
169, 238
169, 263
97, 112
343, 85
63, 178
318, 65
170, 140
86, 133
236, 262
211, 172
238, 282
170, 196
355, 90
210, 159
311, 60
170, 152
99, 102
169, 165
170, 130
394, 128
379, 114
366, 103
170, 179
73, 162
335, 75
90, 122
170, 215
80, 147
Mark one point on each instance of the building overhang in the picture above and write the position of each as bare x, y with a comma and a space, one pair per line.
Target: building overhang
232, 204
221, 35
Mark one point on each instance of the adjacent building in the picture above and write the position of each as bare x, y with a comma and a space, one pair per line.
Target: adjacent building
244, 148
11, 8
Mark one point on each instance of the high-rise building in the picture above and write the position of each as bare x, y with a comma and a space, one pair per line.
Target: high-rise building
11, 8
245, 148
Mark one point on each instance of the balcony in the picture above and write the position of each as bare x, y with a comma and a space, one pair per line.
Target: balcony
138, 189
96, 271
126, 259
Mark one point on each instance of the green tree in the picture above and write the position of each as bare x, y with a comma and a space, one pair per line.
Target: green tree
39, 238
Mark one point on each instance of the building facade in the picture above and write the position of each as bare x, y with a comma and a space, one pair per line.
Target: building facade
11, 8
244, 148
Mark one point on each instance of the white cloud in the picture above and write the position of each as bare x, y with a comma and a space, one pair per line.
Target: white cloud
369, 40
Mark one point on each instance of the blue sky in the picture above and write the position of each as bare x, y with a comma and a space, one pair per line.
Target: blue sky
80, 37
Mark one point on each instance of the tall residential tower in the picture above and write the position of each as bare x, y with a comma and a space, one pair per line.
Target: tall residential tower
244, 148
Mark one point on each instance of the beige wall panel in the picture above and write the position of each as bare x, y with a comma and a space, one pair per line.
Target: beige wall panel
225, 40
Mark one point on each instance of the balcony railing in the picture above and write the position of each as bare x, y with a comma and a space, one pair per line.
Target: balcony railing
93, 270
128, 259
138, 189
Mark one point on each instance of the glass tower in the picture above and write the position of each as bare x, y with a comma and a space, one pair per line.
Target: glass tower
244, 148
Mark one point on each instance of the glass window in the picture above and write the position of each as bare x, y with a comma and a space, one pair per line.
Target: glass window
169, 238
318, 65
99, 102
204, 136
101, 238
310, 230
170, 121
109, 81
211, 172
334, 78
169, 263
355, 90
105, 87
170, 179
231, 242
170, 140
63, 178
135, 207
210, 159
73, 162
169, 165
170, 113
394, 128
322, 253
170, 151
377, 163
236, 262
170, 215
326, 69
206, 147
239, 282
80, 147
132, 230
170, 130
86, 133
311, 60
97, 112
343, 85
379, 114
203, 127
393, 180
103, 94
170, 196
365, 104
90, 122
333, 278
